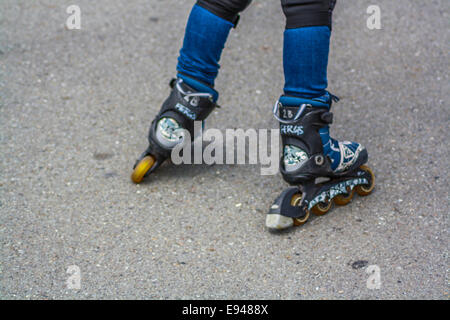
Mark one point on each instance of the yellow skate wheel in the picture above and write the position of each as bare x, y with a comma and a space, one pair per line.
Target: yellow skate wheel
342, 200
295, 201
321, 208
142, 168
366, 190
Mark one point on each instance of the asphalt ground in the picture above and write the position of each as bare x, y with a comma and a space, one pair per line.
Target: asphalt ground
75, 106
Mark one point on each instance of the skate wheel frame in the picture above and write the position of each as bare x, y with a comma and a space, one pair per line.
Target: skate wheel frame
278, 221
344, 199
142, 168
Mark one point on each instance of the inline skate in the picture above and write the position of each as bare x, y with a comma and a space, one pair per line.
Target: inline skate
178, 113
321, 169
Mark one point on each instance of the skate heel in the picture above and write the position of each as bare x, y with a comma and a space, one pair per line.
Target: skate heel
288, 210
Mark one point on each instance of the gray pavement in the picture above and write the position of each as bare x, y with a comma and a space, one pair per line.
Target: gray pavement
74, 112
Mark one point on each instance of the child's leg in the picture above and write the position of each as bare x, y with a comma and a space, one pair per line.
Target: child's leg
206, 32
305, 59
306, 46
322, 170
193, 96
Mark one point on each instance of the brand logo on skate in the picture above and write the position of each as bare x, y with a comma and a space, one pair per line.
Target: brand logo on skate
184, 110
291, 129
349, 156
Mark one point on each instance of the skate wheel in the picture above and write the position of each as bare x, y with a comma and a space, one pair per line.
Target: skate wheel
342, 199
366, 190
321, 208
295, 201
142, 168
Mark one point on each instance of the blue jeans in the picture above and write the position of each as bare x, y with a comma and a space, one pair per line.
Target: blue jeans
306, 42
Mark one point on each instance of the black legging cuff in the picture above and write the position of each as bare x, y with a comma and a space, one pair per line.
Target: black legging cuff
220, 10
308, 19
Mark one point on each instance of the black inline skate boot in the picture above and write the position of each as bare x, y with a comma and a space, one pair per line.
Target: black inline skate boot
322, 170
183, 106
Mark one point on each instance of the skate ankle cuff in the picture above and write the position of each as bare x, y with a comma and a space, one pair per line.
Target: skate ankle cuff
199, 86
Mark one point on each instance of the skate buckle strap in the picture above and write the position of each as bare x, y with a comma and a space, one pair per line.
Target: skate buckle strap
300, 111
194, 95
188, 95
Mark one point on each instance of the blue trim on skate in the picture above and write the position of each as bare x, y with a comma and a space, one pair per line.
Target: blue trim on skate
199, 86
